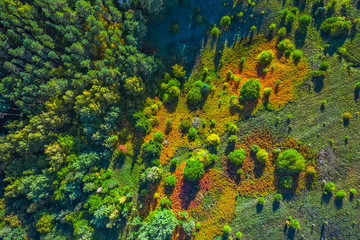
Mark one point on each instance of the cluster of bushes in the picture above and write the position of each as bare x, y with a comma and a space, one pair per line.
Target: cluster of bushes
171, 89
336, 26
197, 94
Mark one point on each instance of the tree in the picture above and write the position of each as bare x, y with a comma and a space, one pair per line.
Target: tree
151, 150
194, 169
262, 155
225, 21
336, 27
213, 139
290, 161
304, 22
134, 86
45, 223
250, 90
265, 57
215, 32
237, 156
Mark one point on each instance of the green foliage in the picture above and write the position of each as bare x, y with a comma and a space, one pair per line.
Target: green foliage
158, 137
151, 150
178, 71
232, 140
171, 90
213, 139
134, 86
45, 223
324, 66
225, 21
255, 148
238, 235
261, 201
142, 123
336, 27
194, 169
304, 22
227, 229
267, 91
250, 90
287, 182
194, 96
357, 85
353, 192
290, 161
253, 28
233, 128
165, 202
242, 60
286, 44
265, 57
329, 187
282, 32
297, 55
185, 125
262, 155
272, 27
347, 116
294, 224
237, 157
278, 197
340, 194
170, 181
215, 32
192, 133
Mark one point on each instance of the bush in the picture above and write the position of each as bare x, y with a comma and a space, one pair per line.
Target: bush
151, 150
174, 162
287, 182
225, 21
185, 125
213, 139
194, 96
265, 57
255, 148
324, 66
205, 89
215, 32
192, 133
272, 27
329, 187
237, 157
253, 28
165, 202
294, 224
242, 60
232, 140
158, 137
278, 197
357, 86
336, 27
286, 44
352, 192
290, 161
250, 90
340, 195
170, 181
297, 55
238, 235
198, 226
282, 32
194, 169
262, 156
304, 22
267, 91
233, 128
227, 229
346, 116
261, 201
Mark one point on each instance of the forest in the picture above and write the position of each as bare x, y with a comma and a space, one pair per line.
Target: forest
179, 119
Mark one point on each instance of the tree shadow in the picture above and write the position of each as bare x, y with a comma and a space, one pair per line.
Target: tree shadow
326, 196
171, 106
291, 234
189, 191
346, 122
338, 203
275, 206
258, 169
259, 208
300, 39
356, 94
318, 83
335, 43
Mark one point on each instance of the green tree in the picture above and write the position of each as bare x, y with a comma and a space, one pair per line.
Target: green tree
290, 161
250, 90
194, 169
237, 156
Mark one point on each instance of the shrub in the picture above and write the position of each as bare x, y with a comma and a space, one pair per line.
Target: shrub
336, 26
357, 85
286, 44
238, 235
170, 181
272, 27
261, 201
233, 128
319, 74
287, 181
265, 70
232, 140
340, 194
237, 157
311, 171
225, 21
294, 224
304, 22
185, 125
194, 169
265, 57
158, 137
282, 32
192, 133
262, 155
250, 90
165, 202
151, 150
174, 162
213, 139
194, 96
297, 55
253, 28
242, 60
179, 72
255, 148
324, 66
227, 229
342, 50
352, 192
329, 187
290, 161
267, 91
346, 116
278, 197
215, 32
